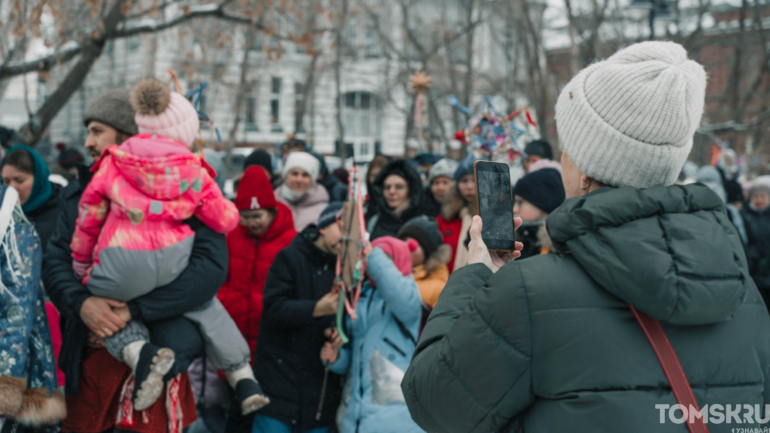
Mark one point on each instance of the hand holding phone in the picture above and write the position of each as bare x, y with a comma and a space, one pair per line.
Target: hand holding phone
479, 253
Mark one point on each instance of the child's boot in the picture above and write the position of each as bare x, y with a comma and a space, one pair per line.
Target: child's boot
248, 393
150, 363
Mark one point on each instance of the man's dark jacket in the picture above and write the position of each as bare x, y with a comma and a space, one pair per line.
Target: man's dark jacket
288, 357
549, 344
758, 248
196, 285
44, 217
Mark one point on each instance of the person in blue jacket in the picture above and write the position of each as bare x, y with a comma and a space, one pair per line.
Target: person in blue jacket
382, 340
28, 385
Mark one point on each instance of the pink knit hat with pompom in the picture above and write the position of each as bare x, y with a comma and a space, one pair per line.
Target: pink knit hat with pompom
398, 250
159, 111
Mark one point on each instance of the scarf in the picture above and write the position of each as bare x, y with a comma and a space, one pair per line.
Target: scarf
41, 189
291, 196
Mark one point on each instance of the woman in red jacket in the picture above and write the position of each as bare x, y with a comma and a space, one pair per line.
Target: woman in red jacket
266, 227
458, 209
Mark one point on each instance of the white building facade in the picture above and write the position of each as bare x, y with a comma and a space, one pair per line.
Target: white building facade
376, 101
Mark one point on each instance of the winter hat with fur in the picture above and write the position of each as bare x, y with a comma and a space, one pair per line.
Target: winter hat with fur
160, 111
630, 120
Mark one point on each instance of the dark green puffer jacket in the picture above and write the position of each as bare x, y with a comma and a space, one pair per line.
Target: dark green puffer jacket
548, 344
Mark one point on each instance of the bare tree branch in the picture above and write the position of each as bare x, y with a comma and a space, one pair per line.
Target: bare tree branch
91, 50
211, 10
731, 126
42, 64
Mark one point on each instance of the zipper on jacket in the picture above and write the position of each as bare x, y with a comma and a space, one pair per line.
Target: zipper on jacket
361, 377
393, 345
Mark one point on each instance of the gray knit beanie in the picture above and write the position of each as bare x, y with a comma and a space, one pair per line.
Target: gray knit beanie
113, 108
444, 167
630, 120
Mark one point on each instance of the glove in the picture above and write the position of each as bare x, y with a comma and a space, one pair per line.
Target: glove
80, 268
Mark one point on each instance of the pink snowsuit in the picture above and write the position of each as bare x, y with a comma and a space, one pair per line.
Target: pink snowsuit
130, 222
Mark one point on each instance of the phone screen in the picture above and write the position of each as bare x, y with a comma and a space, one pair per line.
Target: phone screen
493, 183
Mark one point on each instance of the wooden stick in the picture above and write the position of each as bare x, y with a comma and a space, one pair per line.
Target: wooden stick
323, 394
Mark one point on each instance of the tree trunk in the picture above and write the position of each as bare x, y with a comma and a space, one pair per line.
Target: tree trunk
301, 108
18, 52
468, 84
537, 75
239, 97
574, 48
338, 81
92, 49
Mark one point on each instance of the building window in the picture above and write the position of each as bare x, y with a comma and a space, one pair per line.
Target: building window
299, 99
350, 40
362, 119
371, 44
275, 104
251, 113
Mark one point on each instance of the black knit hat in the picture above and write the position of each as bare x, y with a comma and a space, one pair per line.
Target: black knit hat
68, 156
261, 158
539, 148
424, 231
543, 188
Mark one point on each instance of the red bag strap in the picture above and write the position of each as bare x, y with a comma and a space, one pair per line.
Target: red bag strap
671, 367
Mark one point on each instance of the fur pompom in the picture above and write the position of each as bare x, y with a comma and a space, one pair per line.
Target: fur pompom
41, 407
150, 97
11, 395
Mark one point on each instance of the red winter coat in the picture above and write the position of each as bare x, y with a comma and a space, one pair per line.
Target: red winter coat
250, 259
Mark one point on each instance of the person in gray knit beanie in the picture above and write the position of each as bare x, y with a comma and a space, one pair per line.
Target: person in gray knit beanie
650, 282
630, 120
440, 179
112, 108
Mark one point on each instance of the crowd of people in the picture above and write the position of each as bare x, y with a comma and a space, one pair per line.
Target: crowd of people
168, 307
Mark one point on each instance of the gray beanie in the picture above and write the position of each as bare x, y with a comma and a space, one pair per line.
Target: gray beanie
113, 108
630, 120
443, 167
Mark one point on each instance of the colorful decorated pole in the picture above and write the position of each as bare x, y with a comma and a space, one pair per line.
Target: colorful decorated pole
420, 82
489, 134
351, 264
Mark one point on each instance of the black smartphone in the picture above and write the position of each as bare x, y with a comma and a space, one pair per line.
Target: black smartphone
495, 204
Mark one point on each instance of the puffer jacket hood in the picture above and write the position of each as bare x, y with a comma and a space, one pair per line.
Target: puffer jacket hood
401, 168
162, 178
666, 234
